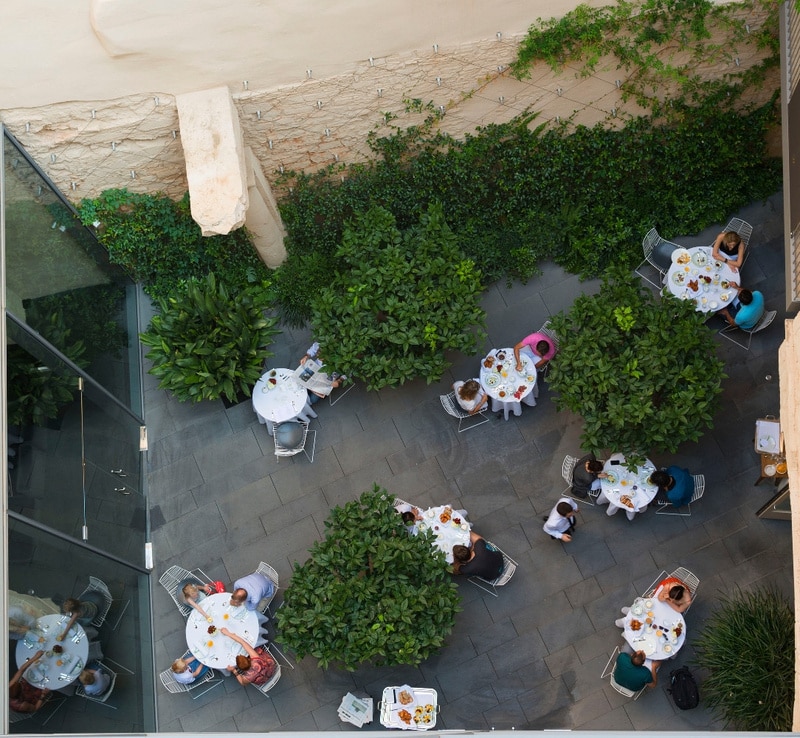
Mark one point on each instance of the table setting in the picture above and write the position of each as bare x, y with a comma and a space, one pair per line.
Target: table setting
654, 627
62, 661
449, 529
278, 397
204, 639
694, 275
626, 489
506, 386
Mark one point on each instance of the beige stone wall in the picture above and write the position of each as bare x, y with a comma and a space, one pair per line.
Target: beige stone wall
133, 140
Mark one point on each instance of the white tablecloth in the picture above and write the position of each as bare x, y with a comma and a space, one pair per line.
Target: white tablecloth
447, 534
632, 485
214, 649
507, 387
663, 636
47, 672
278, 396
713, 279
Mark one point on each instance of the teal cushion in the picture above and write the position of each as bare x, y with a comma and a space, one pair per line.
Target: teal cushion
290, 435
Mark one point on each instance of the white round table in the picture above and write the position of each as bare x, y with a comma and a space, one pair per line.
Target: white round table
451, 531
625, 489
278, 397
694, 275
53, 670
214, 649
661, 631
507, 387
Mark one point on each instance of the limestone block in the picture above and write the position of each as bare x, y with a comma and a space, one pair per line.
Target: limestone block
263, 218
215, 164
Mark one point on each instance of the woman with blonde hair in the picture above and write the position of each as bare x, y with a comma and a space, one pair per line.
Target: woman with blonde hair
187, 668
729, 247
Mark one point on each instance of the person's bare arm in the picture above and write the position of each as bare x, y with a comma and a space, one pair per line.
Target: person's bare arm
192, 603
251, 652
654, 671
473, 536
22, 668
717, 244
72, 621
478, 407
517, 356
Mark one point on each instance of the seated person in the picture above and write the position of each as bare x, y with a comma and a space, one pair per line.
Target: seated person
635, 671
470, 396
22, 696
478, 560
187, 668
410, 516
95, 681
676, 483
194, 592
250, 590
82, 611
729, 247
258, 667
24, 610
586, 475
538, 346
561, 522
746, 310
313, 353
675, 593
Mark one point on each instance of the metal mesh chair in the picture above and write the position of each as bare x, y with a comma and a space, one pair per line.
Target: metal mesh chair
270, 573
173, 580
509, 567
667, 508
729, 331
452, 407
657, 253
608, 671
291, 438
273, 680
209, 678
745, 231
99, 586
80, 690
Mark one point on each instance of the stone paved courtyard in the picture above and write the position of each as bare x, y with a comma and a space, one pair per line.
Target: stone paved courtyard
532, 657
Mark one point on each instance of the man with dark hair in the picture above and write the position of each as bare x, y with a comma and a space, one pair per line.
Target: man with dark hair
746, 310
561, 522
586, 475
635, 671
675, 483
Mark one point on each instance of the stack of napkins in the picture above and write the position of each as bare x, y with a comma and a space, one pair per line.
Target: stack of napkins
356, 710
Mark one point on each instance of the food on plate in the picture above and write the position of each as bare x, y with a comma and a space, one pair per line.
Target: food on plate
501, 393
678, 629
683, 257
724, 284
700, 258
679, 277
611, 478
501, 357
780, 468
489, 362
445, 517
405, 716
693, 285
625, 500
211, 629
405, 697
636, 625
424, 715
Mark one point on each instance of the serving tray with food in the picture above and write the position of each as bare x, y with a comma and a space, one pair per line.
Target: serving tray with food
408, 708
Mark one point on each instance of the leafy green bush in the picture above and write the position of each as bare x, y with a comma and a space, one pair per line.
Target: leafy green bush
397, 301
209, 342
370, 592
642, 371
747, 648
158, 243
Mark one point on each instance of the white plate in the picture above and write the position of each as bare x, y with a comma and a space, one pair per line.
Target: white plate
700, 258
770, 470
492, 380
649, 647
667, 648
767, 443
713, 305
681, 254
679, 277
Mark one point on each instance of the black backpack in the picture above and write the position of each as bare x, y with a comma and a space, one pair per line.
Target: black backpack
683, 688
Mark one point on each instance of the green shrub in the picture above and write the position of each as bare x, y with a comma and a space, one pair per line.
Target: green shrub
209, 342
397, 301
642, 371
158, 243
370, 592
747, 648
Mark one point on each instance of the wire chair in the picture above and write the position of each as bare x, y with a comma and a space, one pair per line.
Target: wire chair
729, 331
509, 567
451, 407
667, 508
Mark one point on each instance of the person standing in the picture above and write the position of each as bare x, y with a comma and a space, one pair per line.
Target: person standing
560, 524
